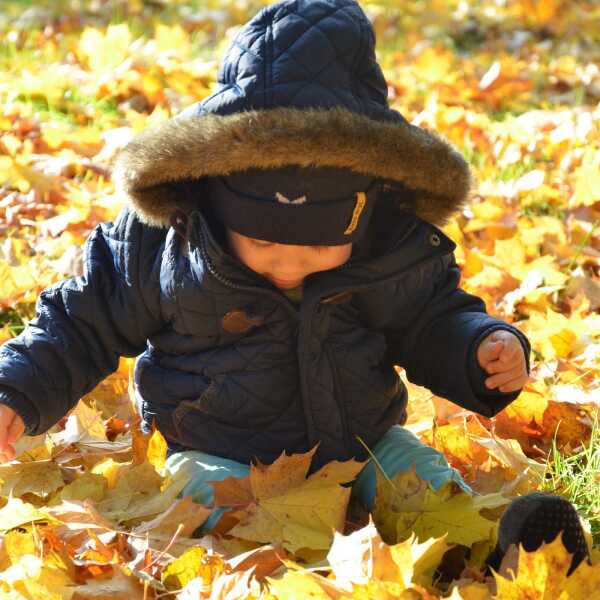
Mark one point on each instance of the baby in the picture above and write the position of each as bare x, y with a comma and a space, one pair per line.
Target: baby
278, 255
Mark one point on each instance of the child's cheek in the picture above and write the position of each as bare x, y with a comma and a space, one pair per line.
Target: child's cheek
248, 255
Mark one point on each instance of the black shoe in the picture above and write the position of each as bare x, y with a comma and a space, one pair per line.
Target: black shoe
535, 518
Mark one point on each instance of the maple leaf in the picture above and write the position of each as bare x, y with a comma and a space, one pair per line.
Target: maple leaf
119, 587
287, 507
77, 515
407, 504
32, 576
139, 492
88, 485
157, 450
104, 50
40, 478
363, 566
298, 584
16, 513
261, 561
587, 186
543, 574
362, 556
182, 517
196, 562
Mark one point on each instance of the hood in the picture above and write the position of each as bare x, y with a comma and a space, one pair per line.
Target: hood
299, 85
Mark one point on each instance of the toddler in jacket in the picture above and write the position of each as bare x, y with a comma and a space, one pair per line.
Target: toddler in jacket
278, 255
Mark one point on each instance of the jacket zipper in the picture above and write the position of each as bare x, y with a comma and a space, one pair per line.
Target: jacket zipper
339, 398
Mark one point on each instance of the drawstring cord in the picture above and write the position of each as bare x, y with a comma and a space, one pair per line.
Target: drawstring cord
179, 220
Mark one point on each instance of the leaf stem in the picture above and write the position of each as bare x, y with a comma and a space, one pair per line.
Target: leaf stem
374, 459
583, 243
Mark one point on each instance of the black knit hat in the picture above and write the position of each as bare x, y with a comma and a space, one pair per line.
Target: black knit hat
323, 206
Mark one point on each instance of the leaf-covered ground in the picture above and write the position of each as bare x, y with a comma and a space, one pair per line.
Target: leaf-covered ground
87, 511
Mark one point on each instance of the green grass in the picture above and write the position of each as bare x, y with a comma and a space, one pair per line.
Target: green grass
577, 478
517, 169
17, 318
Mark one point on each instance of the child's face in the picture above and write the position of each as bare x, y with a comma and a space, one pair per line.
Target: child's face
286, 265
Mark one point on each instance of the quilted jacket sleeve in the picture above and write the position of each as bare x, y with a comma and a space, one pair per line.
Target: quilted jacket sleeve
438, 348
84, 324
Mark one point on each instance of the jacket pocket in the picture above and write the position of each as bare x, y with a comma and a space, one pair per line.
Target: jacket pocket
167, 394
202, 404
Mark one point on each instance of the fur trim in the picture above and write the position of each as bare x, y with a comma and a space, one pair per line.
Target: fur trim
194, 147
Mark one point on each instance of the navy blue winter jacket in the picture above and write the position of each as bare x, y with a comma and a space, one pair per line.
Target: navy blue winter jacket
229, 365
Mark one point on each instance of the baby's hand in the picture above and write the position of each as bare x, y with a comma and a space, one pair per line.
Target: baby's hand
501, 353
11, 429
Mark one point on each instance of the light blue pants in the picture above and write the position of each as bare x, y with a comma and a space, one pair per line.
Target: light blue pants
396, 451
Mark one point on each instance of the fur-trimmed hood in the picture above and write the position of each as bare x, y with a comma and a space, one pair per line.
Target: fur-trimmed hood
293, 90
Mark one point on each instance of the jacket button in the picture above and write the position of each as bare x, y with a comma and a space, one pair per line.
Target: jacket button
434, 239
238, 321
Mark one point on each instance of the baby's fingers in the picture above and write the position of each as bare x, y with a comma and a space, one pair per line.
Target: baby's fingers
514, 385
11, 429
8, 454
504, 364
16, 429
6, 417
508, 379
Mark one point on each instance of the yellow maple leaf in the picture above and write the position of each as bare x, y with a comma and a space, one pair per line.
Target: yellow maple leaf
16, 513
534, 230
40, 478
32, 575
110, 470
587, 185
435, 65
132, 479
508, 253
543, 574
88, 485
467, 590
290, 508
104, 51
136, 491
181, 519
363, 556
546, 266
90, 422
298, 584
530, 404
173, 40
551, 333
407, 504
454, 440
19, 543
14, 281
195, 562
540, 12
157, 450
485, 213
509, 453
